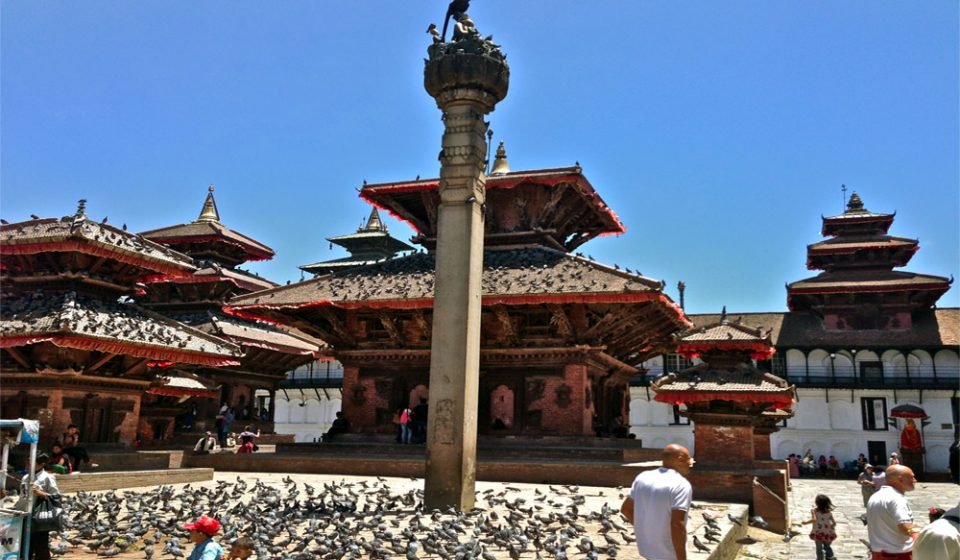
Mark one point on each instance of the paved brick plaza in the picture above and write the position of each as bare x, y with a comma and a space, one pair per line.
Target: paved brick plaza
845, 495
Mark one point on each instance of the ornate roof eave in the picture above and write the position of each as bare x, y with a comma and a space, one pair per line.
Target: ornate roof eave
85, 236
118, 347
75, 321
778, 400
717, 337
834, 225
780, 394
372, 193
934, 283
242, 281
253, 250
180, 383
250, 310
417, 268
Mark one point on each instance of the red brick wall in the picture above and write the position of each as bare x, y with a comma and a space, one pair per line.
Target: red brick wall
54, 419
761, 446
723, 446
568, 415
769, 502
360, 400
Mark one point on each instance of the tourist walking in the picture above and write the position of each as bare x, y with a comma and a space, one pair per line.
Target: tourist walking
657, 506
890, 525
201, 534
939, 540
406, 425
867, 484
824, 530
44, 488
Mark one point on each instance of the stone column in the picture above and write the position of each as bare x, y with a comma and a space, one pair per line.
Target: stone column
467, 78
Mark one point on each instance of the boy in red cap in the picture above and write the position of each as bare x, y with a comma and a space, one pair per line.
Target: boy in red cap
201, 533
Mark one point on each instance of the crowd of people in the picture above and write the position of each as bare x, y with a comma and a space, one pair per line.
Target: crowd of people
659, 501
67, 456
829, 466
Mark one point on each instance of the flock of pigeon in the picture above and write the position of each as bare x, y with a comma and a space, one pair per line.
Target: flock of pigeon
366, 518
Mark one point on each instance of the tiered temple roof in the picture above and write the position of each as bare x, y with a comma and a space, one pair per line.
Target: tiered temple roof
552, 324
61, 282
727, 372
859, 288
197, 299
370, 244
557, 208
207, 238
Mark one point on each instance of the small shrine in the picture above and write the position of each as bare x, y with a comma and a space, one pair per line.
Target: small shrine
75, 348
269, 351
859, 288
370, 244
561, 334
734, 408
725, 395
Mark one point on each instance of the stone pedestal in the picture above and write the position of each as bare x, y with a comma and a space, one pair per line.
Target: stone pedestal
467, 79
727, 446
761, 441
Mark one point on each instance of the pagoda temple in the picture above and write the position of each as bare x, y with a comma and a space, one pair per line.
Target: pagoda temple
734, 408
269, 351
859, 290
560, 333
371, 243
725, 395
75, 349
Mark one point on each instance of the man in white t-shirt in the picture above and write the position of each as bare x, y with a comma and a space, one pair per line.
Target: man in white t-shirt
940, 540
890, 525
657, 506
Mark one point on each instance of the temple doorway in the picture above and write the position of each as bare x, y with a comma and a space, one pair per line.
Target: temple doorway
502, 408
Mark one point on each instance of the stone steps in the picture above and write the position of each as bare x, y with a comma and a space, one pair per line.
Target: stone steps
95, 481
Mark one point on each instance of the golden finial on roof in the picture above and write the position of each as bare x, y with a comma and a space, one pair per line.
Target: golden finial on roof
209, 212
373, 222
500, 164
855, 206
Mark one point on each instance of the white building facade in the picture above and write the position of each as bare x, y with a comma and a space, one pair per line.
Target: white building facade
845, 394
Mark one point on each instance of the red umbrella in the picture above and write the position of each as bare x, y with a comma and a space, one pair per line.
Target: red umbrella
907, 411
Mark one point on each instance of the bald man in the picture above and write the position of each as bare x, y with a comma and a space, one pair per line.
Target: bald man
657, 506
889, 519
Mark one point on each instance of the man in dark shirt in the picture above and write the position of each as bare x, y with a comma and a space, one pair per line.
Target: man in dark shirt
420, 421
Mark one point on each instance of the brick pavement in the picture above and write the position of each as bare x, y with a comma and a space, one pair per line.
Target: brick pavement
848, 504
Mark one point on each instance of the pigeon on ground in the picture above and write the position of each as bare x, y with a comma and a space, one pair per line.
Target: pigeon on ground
699, 545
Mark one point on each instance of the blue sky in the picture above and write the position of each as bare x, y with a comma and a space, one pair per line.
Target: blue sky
720, 132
